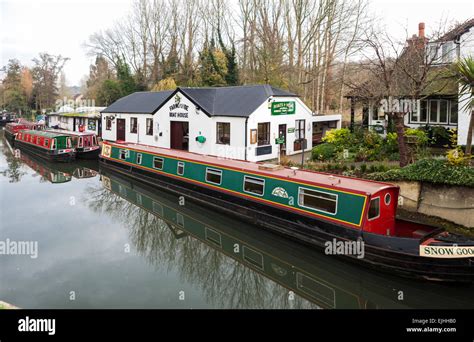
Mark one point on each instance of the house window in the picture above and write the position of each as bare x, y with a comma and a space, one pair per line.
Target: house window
438, 111
108, 123
149, 126
133, 125
423, 110
453, 112
139, 158
158, 163
123, 154
213, 176
223, 133
374, 209
263, 133
299, 129
318, 200
254, 185
180, 168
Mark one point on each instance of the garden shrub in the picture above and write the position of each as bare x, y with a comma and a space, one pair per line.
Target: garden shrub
437, 171
324, 152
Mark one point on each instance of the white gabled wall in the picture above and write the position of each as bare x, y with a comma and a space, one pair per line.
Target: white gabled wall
263, 114
200, 124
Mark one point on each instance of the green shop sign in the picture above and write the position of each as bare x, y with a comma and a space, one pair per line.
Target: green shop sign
283, 108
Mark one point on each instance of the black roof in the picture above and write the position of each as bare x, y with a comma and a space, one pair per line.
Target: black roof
143, 102
239, 101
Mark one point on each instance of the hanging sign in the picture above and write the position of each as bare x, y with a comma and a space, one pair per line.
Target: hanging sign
283, 108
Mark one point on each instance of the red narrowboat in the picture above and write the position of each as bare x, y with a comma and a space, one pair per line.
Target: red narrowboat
12, 128
47, 145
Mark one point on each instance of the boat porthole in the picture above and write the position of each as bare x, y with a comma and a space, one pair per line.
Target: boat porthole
387, 199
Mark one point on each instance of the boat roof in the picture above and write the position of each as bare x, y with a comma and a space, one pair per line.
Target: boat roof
331, 181
64, 132
44, 133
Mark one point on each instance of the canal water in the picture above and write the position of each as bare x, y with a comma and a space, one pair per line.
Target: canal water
104, 241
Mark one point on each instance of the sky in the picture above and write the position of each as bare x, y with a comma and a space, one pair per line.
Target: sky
28, 27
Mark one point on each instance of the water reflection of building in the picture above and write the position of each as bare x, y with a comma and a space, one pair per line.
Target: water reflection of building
160, 230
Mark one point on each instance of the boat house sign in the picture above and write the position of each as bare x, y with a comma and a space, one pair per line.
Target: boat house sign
283, 108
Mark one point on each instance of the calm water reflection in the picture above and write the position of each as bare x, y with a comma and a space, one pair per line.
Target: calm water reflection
120, 244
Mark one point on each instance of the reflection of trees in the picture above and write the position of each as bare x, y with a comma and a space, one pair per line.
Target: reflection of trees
13, 171
224, 281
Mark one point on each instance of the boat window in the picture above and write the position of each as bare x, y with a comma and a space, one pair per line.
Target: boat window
46, 142
53, 144
180, 168
253, 257
81, 142
213, 176
68, 143
139, 158
213, 236
387, 199
318, 200
123, 154
254, 185
374, 209
94, 140
158, 163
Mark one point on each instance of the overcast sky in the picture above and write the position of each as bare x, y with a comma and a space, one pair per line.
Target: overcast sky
28, 27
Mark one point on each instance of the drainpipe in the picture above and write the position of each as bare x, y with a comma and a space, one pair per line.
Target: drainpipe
246, 121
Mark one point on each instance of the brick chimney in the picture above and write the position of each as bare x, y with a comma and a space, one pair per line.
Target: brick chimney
421, 30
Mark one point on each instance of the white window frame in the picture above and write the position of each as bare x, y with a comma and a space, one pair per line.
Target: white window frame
139, 158
180, 163
323, 192
253, 193
127, 153
162, 163
214, 171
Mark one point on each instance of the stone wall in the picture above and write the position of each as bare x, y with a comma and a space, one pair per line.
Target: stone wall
452, 203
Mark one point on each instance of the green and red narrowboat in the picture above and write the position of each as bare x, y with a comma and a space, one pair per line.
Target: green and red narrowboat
12, 128
311, 207
50, 146
85, 143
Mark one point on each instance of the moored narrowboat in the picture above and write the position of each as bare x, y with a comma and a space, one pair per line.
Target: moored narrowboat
315, 208
12, 128
85, 143
47, 145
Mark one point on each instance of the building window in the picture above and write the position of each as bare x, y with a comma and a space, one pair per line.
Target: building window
108, 123
133, 125
214, 176
299, 129
123, 154
318, 200
374, 209
438, 111
149, 126
180, 168
423, 110
139, 158
254, 185
263, 133
158, 163
453, 118
223, 133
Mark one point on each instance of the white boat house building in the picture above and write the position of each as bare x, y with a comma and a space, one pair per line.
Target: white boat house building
81, 119
253, 123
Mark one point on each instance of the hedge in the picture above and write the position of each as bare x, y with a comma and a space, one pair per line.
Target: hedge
437, 171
